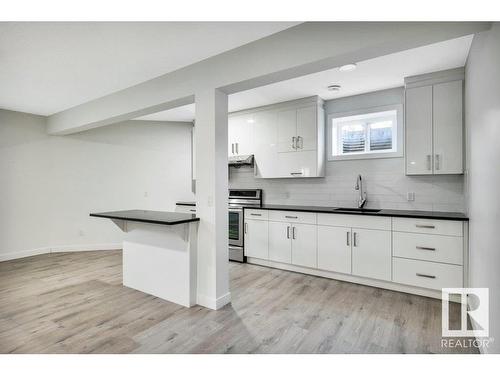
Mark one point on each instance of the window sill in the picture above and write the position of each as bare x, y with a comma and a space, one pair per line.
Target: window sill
384, 155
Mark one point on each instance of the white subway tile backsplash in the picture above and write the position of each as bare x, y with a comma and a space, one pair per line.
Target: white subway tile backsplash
384, 182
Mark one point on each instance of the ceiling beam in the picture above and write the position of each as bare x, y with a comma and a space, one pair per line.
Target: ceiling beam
304, 49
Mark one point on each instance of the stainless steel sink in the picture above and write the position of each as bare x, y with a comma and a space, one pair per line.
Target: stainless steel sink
361, 210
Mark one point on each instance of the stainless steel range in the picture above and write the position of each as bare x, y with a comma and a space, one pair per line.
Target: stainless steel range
239, 198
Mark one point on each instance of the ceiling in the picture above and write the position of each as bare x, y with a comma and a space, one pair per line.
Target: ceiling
371, 75
47, 67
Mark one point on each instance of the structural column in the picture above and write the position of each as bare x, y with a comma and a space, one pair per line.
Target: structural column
211, 198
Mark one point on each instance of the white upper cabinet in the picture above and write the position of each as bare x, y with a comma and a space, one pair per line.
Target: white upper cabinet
307, 129
240, 135
448, 130
419, 130
287, 130
434, 123
286, 139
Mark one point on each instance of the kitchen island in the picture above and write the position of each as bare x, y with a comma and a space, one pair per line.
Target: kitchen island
159, 253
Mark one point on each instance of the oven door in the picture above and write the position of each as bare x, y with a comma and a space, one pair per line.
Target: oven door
236, 226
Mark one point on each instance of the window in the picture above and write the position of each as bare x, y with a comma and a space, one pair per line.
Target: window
364, 135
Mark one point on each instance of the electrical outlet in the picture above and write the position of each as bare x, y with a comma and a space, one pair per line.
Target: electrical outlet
146, 194
81, 233
410, 196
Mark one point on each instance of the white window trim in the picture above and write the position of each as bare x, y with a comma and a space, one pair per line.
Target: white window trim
376, 155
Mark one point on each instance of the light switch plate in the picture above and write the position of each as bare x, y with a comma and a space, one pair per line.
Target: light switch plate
410, 196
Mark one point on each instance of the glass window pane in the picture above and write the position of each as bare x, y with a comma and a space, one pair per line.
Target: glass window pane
381, 136
353, 138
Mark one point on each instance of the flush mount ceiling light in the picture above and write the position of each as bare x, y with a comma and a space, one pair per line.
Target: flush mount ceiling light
347, 68
334, 88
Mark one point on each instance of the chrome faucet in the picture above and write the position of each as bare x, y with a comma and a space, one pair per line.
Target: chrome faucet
362, 194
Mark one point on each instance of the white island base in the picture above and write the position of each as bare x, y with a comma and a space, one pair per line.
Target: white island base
161, 260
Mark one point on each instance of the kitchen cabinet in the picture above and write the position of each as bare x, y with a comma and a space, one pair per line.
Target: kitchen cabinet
292, 243
334, 249
434, 126
298, 129
256, 239
399, 252
448, 130
286, 139
280, 243
304, 246
240, 135
371, 253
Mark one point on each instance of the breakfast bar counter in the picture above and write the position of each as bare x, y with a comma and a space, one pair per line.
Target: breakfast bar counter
159, 252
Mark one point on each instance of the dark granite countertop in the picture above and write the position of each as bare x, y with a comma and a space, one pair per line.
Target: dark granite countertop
185, 203
151, 217
457, 216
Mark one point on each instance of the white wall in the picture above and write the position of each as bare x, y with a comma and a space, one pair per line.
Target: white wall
482, 105
50, 184
24, 184
384, 179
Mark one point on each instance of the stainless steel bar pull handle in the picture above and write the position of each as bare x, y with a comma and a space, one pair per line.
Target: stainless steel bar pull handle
256, 214
347, 238
293, 232
425, 226
424, 275
296, 173
246, 228
294, 143
355, 239
237, 144
437, 162
426, 248
291, 217
232, 148
429, 161
288, 232
192, 210
300, 142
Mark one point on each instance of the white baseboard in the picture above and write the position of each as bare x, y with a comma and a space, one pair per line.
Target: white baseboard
59, 249
89, 247
24, 254
213, 303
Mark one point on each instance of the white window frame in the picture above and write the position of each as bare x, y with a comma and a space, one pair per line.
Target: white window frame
399, 153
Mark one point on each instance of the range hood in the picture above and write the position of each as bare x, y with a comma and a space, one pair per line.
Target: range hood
240, 160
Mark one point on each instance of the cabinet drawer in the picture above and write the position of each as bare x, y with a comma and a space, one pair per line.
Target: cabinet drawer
293, 217
426, 274
256, 214
355, 221
430, 247
444, 227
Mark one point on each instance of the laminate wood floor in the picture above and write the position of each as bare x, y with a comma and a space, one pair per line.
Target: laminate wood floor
75, 303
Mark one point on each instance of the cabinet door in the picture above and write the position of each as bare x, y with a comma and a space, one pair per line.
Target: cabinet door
448, 128
418, 110
256, 239
240, 135
307, 128
298, 164
265, 129
280, 243
371, 253
304, 245
287, 130
334, 249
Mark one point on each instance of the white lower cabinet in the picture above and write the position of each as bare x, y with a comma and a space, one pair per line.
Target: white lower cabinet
304, 245
426, 254
371, 253
293, 243
334, 249
280, 247
256, 239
